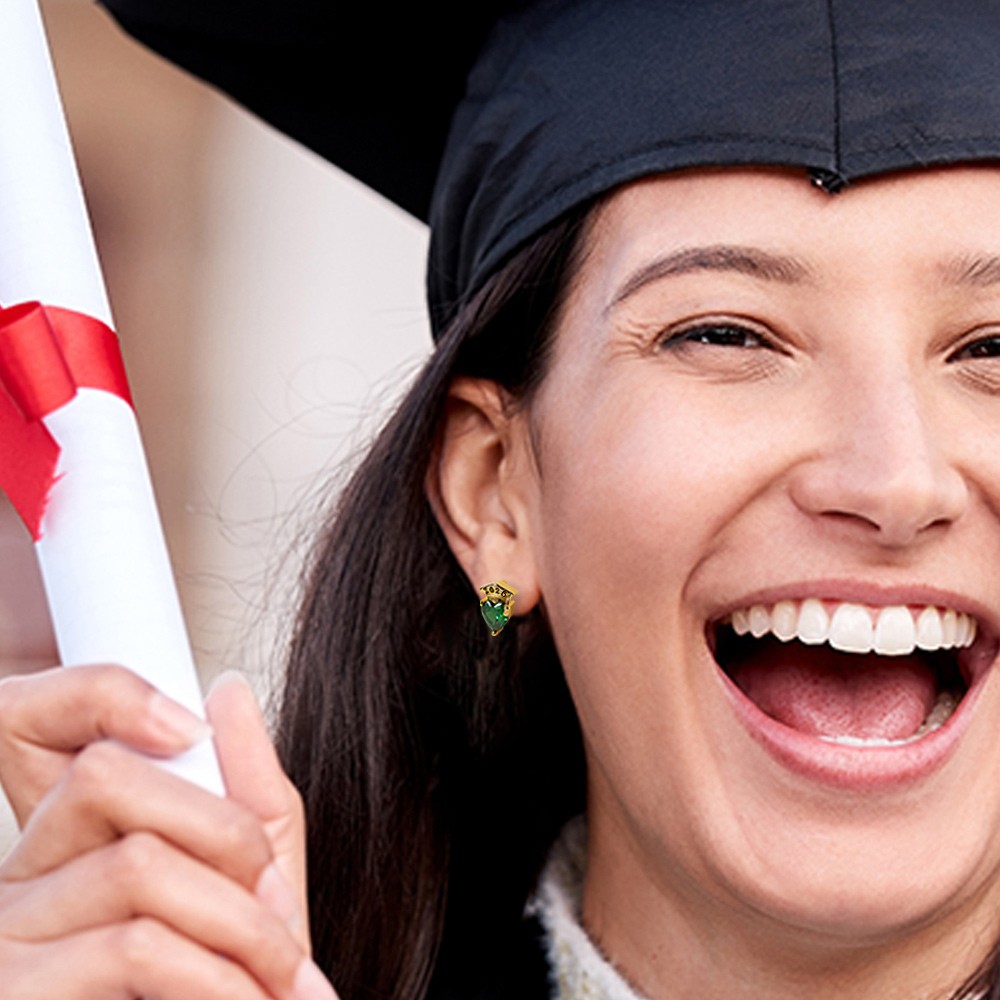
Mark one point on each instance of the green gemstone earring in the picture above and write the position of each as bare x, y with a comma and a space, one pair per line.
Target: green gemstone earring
497, 605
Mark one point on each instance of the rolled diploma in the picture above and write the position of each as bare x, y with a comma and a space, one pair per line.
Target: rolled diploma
102, 554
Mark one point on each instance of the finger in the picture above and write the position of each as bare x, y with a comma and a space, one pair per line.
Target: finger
142, 876
254, 777
249, 762
109, 791
137, 959
47, 717
65, 709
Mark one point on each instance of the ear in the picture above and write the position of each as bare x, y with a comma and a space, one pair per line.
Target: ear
481, 484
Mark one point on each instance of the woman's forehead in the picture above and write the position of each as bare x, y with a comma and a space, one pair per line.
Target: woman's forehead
700, 219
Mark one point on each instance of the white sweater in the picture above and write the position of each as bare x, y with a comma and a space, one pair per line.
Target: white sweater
579, 970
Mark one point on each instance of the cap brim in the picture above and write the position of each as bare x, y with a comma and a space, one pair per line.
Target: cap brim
370, 87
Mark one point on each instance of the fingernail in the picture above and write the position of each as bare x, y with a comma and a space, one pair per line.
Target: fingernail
176, 722
311, 984
276, 894
232, 676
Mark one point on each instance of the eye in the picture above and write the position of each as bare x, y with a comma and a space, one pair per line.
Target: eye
977, 362
728, 349
716, 335
984, 347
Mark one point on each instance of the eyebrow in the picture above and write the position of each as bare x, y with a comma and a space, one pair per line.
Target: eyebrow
752, 261
972, 270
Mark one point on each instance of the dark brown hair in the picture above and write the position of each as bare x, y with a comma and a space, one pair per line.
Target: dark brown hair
436, 764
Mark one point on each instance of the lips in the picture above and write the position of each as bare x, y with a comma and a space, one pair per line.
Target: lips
847, 690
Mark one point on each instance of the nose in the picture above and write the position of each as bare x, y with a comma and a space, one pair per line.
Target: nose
885, 466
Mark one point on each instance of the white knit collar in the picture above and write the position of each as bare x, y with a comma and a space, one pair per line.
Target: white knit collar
578, 970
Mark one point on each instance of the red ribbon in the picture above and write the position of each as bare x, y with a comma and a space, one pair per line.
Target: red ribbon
46, 354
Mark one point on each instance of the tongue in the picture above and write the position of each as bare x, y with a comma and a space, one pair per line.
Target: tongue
822, 692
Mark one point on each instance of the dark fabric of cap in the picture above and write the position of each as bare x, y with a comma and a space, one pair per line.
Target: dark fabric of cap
571, 98
371, 87
575, 97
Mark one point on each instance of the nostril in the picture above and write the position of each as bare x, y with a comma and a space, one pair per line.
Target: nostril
894, 508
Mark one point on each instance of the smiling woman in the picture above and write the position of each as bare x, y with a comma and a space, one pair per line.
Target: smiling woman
717, 394
781, 471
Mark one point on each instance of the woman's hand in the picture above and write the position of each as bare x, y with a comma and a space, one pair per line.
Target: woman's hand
130, 882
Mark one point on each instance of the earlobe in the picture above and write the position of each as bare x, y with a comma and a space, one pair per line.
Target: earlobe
480, 483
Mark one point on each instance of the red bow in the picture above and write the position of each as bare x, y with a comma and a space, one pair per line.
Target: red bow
46, 354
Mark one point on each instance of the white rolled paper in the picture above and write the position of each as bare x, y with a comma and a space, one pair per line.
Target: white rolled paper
104, 562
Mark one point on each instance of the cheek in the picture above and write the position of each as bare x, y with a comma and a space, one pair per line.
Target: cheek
640, 491
651, 498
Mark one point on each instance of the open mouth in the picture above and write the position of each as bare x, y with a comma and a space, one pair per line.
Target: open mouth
847, 673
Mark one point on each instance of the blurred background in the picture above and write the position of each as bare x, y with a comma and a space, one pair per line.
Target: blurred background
270, 311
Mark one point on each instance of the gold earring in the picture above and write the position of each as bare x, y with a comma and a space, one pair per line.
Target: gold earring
497, 605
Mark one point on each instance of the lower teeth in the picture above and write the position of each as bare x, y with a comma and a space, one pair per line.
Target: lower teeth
942, 711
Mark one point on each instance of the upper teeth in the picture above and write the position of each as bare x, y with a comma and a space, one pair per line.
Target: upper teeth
855, 628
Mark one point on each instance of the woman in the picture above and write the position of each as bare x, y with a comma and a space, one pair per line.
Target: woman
733, 440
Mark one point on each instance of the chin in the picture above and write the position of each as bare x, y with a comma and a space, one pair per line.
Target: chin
864, 904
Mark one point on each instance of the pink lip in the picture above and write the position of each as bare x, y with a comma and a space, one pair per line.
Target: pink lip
854, 768
868, 768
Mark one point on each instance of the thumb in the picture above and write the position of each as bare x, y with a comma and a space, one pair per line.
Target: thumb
254, 778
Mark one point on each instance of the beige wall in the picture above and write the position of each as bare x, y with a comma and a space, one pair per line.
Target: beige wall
267, 305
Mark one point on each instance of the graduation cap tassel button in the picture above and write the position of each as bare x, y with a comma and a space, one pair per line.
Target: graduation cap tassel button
497, 605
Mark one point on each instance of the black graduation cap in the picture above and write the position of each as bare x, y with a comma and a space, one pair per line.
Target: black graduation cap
554, 102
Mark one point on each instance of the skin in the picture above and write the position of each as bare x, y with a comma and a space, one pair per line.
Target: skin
129, 882
831, 432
